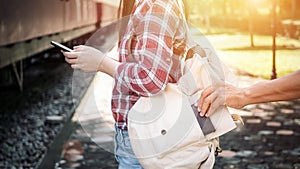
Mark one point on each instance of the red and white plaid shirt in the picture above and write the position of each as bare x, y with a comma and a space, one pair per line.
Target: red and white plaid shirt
151, 51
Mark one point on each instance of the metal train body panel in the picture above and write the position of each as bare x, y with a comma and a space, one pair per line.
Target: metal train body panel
25, 20
27, 27
107, 13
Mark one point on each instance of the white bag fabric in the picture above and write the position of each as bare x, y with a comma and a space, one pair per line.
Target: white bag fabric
163, 129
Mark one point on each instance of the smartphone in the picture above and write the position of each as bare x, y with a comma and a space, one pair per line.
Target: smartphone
60, 46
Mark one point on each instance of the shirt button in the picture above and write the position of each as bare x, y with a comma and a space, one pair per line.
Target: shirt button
168, 60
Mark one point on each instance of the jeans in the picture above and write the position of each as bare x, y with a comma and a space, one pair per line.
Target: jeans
123, 151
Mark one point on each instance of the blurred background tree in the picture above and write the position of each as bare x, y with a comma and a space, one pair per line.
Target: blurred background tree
228, 24
240, 13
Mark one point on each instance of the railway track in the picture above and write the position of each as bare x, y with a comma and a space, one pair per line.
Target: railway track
33, 120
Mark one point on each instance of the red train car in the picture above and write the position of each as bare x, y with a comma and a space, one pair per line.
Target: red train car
22, 20
27, 27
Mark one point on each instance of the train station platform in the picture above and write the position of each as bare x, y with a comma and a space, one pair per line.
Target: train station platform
93, 136
269, 139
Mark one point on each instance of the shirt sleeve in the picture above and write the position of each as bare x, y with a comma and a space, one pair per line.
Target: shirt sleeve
154, 33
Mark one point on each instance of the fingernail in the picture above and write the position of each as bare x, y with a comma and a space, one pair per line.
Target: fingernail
206, 115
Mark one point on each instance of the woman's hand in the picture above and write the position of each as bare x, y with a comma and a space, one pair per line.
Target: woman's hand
85, 58
215, 96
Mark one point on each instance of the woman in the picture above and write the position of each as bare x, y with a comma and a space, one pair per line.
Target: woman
150, 54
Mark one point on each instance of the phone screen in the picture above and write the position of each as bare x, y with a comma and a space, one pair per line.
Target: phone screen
60, 46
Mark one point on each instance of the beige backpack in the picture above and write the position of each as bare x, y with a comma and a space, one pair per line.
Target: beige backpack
165, 131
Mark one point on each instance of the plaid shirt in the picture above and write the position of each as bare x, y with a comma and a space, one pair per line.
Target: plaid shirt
151, 51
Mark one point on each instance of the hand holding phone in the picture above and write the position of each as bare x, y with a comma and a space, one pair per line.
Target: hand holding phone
60, 46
